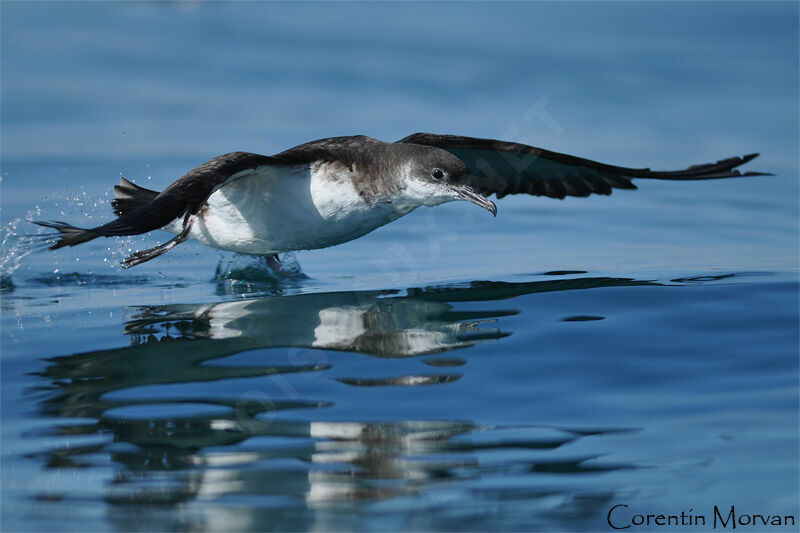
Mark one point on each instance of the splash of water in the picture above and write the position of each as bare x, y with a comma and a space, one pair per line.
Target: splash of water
243, 274
19, 237
14, 246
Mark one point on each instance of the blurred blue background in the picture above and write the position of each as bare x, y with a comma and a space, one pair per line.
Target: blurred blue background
652, 356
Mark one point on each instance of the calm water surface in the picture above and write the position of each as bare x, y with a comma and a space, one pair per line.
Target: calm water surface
449, 371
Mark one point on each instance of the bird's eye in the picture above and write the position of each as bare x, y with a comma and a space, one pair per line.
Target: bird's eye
437, 173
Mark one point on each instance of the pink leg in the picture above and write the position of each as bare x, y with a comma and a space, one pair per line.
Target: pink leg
273, 262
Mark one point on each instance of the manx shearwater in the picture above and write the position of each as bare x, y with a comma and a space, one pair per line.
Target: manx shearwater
334, 190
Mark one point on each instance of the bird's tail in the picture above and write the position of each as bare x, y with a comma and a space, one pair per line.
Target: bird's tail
134, 206
130, 197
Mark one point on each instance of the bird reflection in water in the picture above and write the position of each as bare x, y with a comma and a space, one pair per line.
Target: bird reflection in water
239, 446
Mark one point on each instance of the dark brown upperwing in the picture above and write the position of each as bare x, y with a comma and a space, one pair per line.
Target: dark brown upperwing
502, 168
194, 188
185, 195
347, 150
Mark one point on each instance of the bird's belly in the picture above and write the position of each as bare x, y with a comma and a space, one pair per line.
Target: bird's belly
276, 211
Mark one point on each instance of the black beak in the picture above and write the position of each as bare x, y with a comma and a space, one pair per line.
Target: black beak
465, 192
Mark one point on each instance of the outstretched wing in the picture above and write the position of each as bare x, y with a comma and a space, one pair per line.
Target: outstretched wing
503, 168
184, 196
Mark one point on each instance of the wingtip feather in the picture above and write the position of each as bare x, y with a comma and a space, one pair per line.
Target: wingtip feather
756, 173
68, 235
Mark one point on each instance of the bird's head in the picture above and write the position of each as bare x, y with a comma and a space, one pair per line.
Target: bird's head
435, 176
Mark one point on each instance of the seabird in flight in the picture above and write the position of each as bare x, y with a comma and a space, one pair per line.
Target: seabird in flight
334, 190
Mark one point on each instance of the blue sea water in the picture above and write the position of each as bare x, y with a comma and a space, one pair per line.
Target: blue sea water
448, 371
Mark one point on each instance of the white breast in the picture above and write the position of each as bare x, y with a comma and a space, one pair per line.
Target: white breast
275, 209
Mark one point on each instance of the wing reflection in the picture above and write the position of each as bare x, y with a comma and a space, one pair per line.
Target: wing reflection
375, 323
272, 450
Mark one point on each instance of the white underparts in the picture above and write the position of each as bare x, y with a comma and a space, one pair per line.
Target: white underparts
275, 209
